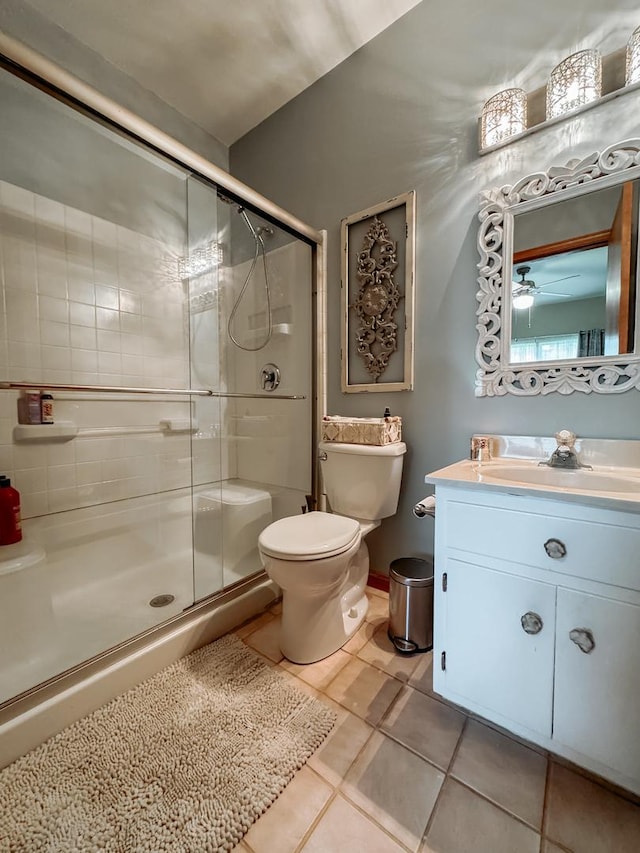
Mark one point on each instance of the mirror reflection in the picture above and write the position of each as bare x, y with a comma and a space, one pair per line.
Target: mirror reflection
573, 270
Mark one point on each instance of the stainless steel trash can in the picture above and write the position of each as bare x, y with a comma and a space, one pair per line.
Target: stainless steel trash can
411, 604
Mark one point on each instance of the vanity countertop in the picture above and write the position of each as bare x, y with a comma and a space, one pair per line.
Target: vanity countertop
616, 488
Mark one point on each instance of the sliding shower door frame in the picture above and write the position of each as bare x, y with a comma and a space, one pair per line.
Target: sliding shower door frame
40, 72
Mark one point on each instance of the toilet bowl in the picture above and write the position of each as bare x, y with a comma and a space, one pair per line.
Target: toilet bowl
320, 559
320, 562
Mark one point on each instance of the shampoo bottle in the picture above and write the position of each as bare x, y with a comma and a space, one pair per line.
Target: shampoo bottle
10, 522
46, 408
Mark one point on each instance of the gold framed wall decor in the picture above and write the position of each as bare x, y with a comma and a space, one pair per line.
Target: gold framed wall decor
378, 273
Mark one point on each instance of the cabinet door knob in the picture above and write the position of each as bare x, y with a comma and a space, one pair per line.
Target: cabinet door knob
583, 638
531, 623
555, 548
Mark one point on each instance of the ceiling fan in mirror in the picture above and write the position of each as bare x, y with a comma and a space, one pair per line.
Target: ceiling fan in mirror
524, 291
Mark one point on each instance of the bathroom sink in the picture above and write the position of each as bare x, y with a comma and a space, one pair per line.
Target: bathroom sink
559, 478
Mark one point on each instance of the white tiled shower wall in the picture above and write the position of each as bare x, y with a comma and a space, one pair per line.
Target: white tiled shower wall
274, 436
86, 301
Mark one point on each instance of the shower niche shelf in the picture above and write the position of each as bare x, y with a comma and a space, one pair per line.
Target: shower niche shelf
278, 330
60, 431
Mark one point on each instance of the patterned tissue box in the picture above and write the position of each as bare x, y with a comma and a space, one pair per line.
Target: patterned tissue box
361, 430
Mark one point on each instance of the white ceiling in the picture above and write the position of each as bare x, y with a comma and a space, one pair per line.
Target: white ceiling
225, 64
580, 274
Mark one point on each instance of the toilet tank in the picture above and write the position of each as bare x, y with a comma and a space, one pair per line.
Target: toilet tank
362, 480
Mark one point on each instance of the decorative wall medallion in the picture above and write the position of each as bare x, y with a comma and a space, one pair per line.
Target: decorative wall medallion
377, 282
496, 376
377, 299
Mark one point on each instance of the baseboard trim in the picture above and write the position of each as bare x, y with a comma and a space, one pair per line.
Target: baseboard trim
378, 581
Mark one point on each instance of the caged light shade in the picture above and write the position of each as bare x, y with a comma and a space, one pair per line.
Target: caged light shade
576, 81
633, 58
503, 116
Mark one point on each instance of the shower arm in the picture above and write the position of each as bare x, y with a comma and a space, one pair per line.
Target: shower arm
112, 389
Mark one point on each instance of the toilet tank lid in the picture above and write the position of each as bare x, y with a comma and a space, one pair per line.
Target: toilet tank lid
395, 449
309, 536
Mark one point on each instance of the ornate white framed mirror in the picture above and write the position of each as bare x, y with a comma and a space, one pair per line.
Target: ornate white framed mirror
558, 308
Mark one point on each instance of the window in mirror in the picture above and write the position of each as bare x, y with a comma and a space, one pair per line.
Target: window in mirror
545, 348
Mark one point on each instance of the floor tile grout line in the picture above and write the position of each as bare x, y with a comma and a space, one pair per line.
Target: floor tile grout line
314, 823
411, 749
500, 807
454, 778
444, 782
545, 803
392, 705
340, 792
448, 772
345, 796
404, 685
456, 750
591, 776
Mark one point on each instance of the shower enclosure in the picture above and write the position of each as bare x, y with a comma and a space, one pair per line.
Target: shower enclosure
173, 319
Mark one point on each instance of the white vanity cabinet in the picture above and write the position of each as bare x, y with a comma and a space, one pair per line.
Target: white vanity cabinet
596, 696
537, 622
488, 658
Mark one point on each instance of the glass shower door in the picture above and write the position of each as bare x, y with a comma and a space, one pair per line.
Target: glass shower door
266, 346
251, 342
92, 229
209, 468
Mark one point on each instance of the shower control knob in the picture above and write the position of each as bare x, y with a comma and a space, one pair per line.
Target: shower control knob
270, 377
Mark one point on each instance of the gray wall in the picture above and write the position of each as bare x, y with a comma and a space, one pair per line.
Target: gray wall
401, 114
563, 317
22, 22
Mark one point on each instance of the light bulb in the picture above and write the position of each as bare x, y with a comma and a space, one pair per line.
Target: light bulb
576, 81
523, 300
633, 58
503, 116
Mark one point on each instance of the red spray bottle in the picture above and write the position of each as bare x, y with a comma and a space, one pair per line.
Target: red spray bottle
10, 522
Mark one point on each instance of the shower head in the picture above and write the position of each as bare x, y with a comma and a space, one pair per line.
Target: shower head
256, 231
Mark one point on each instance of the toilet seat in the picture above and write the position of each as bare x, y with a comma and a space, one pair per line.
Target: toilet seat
311, 536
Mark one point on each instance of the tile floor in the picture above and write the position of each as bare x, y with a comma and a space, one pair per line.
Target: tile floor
404, 771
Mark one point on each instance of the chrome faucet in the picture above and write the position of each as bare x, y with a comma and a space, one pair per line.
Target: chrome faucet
564, 456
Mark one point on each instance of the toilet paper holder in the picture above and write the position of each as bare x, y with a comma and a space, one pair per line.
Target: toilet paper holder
425, 507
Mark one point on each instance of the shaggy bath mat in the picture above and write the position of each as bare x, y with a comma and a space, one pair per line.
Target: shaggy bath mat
185, 761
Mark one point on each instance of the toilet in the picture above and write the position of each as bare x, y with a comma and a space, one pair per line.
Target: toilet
320, 559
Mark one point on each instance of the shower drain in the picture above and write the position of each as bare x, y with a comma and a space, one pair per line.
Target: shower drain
162, 600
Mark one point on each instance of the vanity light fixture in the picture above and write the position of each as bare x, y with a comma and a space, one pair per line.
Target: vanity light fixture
576, 81
633, 58
201, 260
503, 116
523, 300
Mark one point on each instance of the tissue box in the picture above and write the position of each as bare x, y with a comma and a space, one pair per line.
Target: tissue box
361, 430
